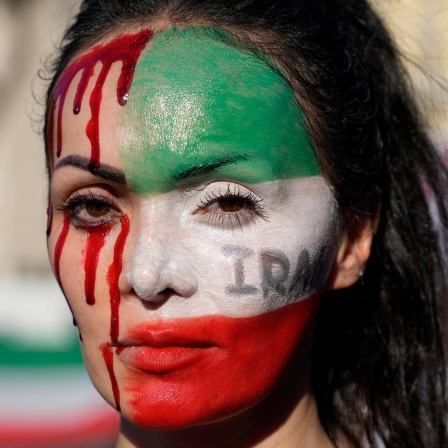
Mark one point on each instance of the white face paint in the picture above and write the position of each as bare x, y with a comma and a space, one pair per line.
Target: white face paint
241, 265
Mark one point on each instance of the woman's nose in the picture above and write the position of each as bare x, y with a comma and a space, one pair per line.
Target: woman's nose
159, 264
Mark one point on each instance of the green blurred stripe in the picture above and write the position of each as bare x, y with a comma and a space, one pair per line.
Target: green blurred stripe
28, 357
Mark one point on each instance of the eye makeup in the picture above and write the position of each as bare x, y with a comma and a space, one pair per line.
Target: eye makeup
230, 206
90, 210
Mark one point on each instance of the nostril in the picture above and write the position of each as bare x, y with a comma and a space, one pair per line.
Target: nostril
157, 300
168, 292
156, 275
153, 295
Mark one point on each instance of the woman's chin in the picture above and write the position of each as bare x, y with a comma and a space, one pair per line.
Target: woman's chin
177, 406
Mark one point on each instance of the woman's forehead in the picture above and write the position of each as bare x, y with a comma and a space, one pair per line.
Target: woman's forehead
194, 99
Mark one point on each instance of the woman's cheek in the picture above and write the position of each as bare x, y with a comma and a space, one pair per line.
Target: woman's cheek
250, 342
81, 262
253, 308
81, 259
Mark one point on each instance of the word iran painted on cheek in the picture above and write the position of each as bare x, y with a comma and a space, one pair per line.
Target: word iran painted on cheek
275, 270
239, 253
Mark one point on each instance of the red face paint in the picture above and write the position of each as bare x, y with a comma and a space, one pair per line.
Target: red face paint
49, 218
185, 371
113, 276
59, 247
95, 242
126, 49
108, 356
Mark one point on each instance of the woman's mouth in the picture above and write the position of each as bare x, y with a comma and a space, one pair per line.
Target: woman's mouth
160, 351
159, 360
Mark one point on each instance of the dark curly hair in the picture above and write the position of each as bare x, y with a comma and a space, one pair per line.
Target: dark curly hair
378, 364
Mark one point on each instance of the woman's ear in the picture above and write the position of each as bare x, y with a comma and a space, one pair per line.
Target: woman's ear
355, 246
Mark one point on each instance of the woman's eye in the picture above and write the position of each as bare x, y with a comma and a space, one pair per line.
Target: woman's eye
97, 209
90, 210
229, 205
231, 208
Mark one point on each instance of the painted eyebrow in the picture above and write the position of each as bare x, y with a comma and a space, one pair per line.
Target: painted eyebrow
104, 171
206, 167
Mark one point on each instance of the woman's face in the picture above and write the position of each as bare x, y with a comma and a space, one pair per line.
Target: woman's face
191, 229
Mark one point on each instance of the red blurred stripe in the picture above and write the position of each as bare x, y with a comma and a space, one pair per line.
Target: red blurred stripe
73, 431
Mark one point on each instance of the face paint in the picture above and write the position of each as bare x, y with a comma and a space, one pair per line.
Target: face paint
204, 369
258, 290
113, 275
108, 356
197, 101
258, 265
49, 218
233, 233
239, 254
126, 49
59, 248
95, 242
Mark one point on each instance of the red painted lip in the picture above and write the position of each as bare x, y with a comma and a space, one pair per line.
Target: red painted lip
159, 360
161, 350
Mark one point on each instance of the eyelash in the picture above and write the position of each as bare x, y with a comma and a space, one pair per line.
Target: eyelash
231, 219
73, 207
249, 206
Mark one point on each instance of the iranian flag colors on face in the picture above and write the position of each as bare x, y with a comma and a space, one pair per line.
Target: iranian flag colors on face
193, 230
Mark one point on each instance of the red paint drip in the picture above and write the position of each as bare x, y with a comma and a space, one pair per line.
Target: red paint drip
113, 275
108, 356
95, 242
60, 243
59, 247
126, 49
49, 218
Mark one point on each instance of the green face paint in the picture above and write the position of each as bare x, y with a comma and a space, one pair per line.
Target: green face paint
198, 102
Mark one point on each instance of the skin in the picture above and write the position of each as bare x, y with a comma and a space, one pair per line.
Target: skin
230, 219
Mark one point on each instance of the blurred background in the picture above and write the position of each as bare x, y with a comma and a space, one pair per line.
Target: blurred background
46, 399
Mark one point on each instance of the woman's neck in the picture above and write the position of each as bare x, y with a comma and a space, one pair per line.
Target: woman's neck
301, 428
